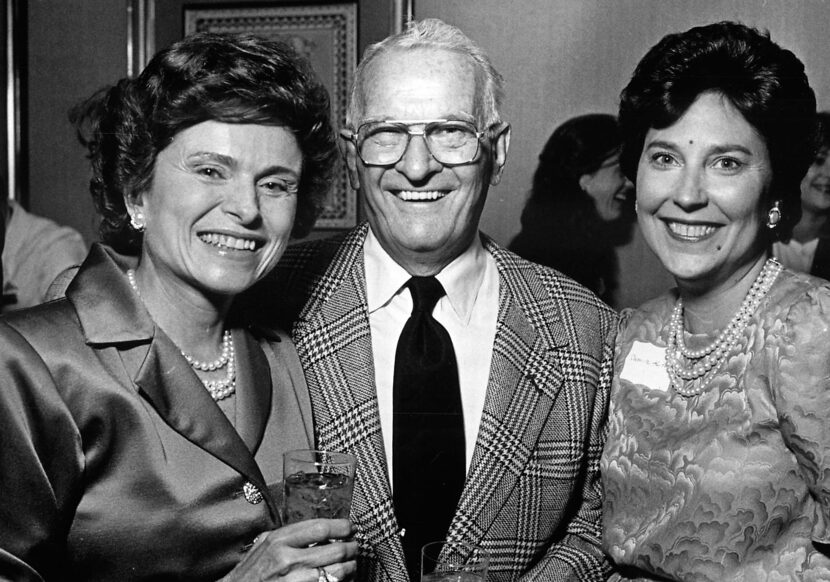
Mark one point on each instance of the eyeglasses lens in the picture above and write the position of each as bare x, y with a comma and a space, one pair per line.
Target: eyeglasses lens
450, 142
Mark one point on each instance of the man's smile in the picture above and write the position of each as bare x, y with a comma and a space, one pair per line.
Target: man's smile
421, 196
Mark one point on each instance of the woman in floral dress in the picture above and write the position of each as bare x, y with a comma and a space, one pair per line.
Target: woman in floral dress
717, 465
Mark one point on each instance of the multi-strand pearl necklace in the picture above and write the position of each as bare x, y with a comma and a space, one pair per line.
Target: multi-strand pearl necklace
691, 371
218, 389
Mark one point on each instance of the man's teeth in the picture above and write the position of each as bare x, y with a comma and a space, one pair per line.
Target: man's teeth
690, 230
231, 242
410, 195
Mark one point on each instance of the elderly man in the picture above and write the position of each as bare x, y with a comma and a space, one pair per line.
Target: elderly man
471, 385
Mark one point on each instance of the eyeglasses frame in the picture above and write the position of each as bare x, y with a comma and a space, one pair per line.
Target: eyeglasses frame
351, 135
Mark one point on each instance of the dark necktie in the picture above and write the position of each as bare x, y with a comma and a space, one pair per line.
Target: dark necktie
429, 465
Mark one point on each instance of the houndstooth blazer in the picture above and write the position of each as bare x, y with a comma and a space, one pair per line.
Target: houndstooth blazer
532, 497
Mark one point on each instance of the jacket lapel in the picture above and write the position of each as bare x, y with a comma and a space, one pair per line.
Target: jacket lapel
253, 403
525, 378
111, 314
334, 343
179, 397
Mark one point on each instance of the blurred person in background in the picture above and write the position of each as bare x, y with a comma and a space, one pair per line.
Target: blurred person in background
808, 250
36, 251
580, 207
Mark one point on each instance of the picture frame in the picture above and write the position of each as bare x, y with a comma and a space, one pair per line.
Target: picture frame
325, 34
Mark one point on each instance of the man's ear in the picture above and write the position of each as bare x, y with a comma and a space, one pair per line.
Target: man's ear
349, 152
501, 143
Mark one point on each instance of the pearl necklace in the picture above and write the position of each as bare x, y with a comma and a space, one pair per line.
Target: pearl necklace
218, 389
698, 367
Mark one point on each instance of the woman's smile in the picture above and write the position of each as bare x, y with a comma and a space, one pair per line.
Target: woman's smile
684, 231
229, 242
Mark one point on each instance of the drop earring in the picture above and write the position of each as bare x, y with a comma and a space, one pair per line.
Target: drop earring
774, 215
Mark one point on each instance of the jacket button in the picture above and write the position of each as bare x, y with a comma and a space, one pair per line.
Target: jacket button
252, 494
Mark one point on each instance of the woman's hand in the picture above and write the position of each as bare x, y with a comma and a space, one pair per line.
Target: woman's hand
284, 554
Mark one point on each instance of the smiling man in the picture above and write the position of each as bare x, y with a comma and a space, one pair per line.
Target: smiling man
471, 385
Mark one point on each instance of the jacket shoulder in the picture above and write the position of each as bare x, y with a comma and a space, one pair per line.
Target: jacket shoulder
281, 296
48, 328
533, 282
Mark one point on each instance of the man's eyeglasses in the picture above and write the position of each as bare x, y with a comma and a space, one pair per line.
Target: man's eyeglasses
450, 142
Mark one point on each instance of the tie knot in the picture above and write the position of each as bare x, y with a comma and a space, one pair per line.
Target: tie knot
426, 291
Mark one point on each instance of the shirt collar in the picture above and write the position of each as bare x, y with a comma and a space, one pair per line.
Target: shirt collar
461, 279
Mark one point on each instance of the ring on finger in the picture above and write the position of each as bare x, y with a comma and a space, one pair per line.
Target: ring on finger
323, 576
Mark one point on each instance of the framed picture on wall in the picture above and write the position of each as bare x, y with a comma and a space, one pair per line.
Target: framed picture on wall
325, 34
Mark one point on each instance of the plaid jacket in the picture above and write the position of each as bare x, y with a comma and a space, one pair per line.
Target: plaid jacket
532, 496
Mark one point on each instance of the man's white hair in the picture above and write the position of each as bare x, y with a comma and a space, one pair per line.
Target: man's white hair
433, 33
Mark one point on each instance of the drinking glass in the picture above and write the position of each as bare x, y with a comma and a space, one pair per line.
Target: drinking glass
317, 484
453, 562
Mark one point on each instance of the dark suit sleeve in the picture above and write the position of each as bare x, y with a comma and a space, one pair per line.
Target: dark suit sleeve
578, 556
40, 464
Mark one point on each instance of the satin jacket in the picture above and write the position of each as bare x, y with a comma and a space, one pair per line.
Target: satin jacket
532, 497
115, 463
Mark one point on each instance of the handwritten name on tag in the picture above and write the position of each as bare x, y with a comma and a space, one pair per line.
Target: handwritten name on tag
646, 365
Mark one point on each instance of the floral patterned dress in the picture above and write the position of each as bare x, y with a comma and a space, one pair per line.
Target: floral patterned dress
733, 484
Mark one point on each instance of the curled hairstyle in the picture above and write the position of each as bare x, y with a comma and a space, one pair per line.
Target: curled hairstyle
763, 81
206, 76
435, 34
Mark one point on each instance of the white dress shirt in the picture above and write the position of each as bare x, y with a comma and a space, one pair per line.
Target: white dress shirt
468, 311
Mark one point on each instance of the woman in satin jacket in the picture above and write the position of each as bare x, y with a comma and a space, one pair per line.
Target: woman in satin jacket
144, 415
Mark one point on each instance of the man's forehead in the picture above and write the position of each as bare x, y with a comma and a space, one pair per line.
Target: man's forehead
411, 83
419, 60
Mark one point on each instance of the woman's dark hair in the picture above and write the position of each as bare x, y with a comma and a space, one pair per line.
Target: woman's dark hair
561, 227
763, 81
206, 76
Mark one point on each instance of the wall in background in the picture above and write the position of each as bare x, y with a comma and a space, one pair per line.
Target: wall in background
561, 58
75, 47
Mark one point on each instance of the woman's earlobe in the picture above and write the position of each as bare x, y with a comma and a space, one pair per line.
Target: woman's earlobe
583, 182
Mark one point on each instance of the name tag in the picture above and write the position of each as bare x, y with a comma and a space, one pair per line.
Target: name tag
646, 365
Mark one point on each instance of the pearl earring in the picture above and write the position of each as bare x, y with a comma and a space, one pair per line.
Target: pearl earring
137, 222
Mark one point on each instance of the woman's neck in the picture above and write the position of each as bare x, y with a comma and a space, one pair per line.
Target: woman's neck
191, 320
811, 225
706, 310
